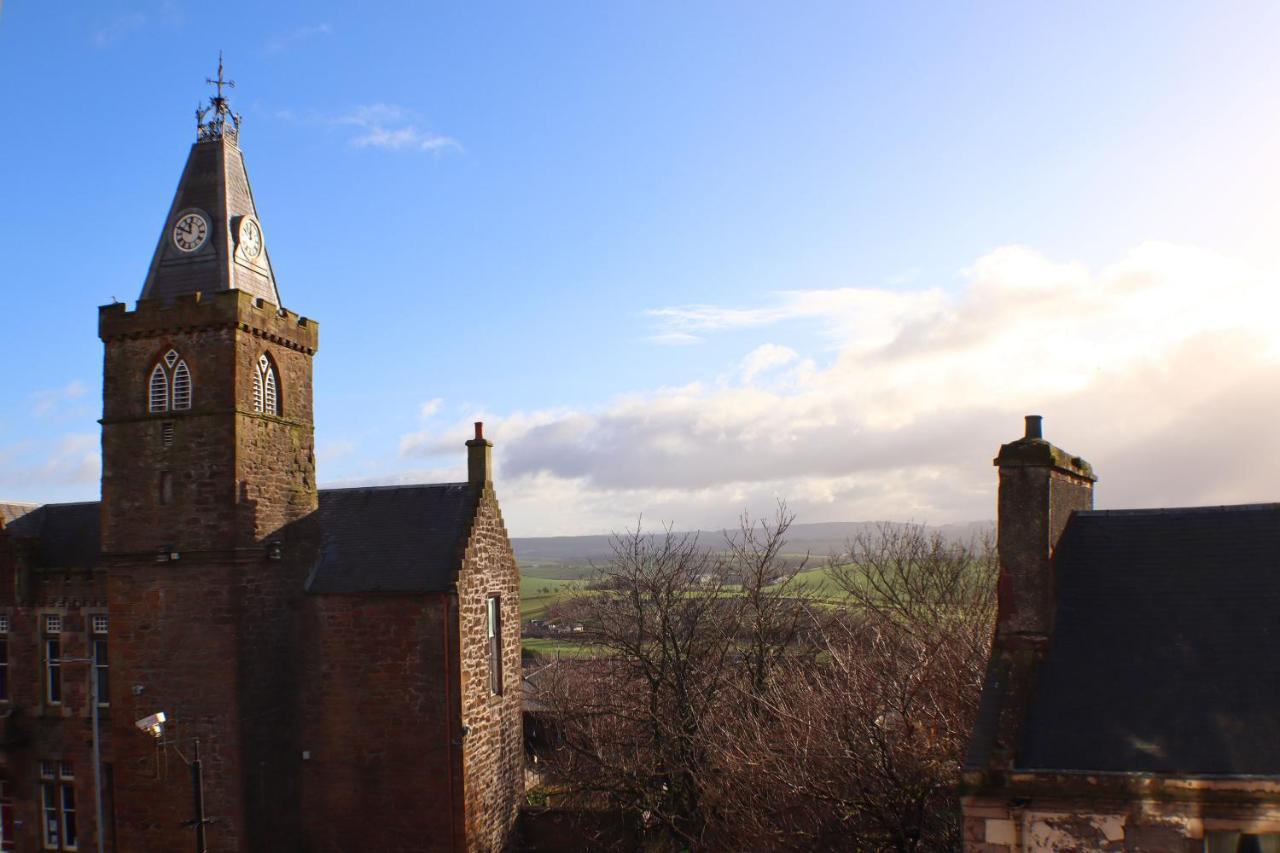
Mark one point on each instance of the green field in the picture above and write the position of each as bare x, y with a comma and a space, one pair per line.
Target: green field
537, 592
541, 584
556, 648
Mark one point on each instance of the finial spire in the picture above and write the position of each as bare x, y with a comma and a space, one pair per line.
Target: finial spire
216, 128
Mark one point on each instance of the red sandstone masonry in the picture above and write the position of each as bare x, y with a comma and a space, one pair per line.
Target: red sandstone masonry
211, 638
493, 756
382, 740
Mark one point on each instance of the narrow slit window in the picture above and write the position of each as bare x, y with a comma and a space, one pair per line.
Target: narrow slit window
495, 643
181, 387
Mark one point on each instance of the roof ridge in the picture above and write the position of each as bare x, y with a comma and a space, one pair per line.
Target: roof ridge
1253, 507
391, 487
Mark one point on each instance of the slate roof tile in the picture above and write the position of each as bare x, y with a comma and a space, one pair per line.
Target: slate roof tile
1165, 653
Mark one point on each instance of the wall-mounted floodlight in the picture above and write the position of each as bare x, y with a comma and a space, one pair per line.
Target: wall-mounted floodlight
154, 724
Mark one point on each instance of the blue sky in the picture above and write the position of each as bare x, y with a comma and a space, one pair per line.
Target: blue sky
684, 258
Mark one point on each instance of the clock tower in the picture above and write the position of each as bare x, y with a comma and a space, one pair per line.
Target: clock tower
208, 488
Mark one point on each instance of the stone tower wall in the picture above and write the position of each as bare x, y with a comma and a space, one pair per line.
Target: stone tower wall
210, 636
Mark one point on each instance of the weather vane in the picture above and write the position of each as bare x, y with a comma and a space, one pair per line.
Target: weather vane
216, 128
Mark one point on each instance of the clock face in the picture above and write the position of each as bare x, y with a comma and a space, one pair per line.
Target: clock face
250, 238
190, 232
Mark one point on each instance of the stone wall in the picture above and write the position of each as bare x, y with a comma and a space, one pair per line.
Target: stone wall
1119, 815
382, 767
493, 755
206, 578
33, 730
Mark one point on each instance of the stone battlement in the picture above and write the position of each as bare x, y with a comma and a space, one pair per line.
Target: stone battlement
220, 309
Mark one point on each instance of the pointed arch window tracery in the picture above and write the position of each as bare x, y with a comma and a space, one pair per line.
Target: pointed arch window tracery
169, 387
266, 392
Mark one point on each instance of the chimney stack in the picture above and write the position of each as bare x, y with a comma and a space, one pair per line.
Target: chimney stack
480, 459
1040, 486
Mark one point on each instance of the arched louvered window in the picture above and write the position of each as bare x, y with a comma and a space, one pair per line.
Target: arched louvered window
170, 386
181, 387
159, 391
266, 393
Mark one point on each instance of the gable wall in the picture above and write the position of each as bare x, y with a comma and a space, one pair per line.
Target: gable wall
493, 753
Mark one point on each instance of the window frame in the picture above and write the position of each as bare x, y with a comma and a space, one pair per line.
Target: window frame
7, 839
51, 644
266, 387
183, 387
4, 665
171, 386
59, 829
99, 627
493, 619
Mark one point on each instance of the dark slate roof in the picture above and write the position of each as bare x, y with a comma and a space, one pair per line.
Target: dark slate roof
67, 534
1165, 653
405, 539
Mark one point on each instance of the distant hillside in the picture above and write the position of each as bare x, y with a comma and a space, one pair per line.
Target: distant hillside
564, 556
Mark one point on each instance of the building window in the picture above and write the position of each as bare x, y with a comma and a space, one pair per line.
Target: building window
166, 488
181, 387
7, 840
170, 385
53, 659
495, 643
4, 662
159, 390
1237, 842
58, 805
266, 393
101, 669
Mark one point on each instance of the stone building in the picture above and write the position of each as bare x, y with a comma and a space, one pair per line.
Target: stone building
344, 664
1130, 698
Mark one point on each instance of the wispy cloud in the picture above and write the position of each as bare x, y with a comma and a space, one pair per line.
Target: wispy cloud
117, 28
47, 402
393, 128
301, 34
70, 460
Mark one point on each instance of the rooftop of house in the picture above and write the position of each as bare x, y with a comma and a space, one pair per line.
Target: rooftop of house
381, 539
1165, 651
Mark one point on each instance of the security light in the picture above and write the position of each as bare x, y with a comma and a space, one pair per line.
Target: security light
153, 724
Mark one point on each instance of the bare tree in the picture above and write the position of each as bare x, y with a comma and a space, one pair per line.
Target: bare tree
867, 743
731, 710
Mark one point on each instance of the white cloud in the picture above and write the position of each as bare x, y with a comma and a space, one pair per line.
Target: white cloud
301, 34
392, 128
47, 402
117, 28
70, 460
764, 358
1159, 369
430, 407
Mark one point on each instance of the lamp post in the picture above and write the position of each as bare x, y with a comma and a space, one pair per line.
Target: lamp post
97, 747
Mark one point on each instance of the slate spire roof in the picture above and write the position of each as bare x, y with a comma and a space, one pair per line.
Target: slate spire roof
212, 239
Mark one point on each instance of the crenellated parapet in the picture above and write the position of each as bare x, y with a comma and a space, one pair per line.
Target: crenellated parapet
227, 309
